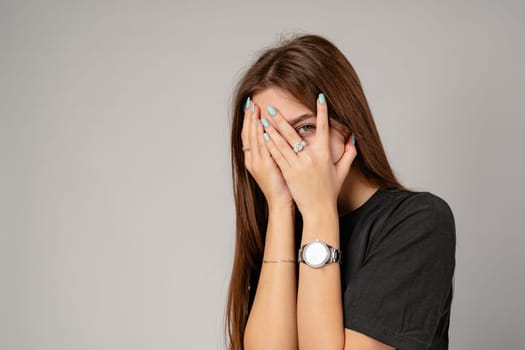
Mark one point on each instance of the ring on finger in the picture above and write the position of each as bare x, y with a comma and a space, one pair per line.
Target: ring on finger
299, 146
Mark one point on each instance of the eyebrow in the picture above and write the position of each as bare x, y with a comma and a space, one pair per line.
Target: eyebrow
300, 118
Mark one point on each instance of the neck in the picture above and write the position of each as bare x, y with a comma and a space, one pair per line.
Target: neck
355, 191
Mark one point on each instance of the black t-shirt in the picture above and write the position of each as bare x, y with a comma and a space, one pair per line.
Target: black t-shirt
397, 268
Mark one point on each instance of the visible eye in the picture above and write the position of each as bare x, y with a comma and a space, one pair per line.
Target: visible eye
307, 128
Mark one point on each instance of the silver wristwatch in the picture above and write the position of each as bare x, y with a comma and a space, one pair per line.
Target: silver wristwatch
317, 253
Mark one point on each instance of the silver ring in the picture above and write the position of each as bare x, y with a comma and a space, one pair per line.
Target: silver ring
244, 149
299, 146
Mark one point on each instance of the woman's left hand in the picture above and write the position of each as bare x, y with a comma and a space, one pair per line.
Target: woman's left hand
313, 179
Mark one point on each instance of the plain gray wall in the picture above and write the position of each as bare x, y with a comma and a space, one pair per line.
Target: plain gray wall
116, 212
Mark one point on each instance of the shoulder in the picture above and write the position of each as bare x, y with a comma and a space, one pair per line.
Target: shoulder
417, 216
419, 204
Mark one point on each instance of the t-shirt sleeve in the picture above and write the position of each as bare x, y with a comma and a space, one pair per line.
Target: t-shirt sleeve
399, 293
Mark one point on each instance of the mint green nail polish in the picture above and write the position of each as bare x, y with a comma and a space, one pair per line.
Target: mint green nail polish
271, 110
247, 104
266, 137
255, 122
253, 107
265, 122
353, 139
322, 100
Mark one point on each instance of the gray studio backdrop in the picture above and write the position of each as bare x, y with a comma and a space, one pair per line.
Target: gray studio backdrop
116, 212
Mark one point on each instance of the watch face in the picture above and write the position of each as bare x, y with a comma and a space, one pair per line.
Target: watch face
316, 254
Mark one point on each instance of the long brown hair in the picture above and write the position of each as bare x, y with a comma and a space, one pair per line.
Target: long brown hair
304, 66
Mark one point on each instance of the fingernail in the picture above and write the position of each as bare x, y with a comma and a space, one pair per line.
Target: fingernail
253, 107
271, 110
353, 139
266, 137
265, 122
255, 122
247, 104
322, 100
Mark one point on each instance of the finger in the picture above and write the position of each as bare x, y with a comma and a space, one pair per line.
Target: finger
257, 133
245, 125
323, 129
245, 131
280, 143
264, 151
282, 126
276, 154
343, 164
250, 124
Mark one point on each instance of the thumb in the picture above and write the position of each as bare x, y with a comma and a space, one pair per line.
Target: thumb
344, 163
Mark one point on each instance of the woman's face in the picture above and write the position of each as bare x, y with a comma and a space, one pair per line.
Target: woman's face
291, 109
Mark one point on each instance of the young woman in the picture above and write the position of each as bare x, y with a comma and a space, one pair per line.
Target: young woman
332, 252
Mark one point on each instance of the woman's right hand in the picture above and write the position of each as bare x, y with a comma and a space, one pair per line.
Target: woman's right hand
260, 163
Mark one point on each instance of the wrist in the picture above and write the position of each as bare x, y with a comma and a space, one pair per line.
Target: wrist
321, 224
280, 207
320, 211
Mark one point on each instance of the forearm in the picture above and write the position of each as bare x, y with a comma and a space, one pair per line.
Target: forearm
319, 304
272, 323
